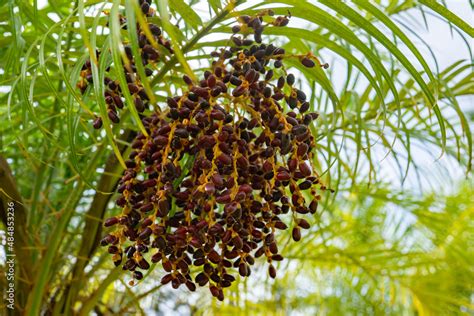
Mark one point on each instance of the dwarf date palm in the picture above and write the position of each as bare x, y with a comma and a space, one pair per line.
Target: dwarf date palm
201, 135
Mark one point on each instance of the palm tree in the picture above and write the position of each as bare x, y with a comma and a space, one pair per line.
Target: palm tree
375, 246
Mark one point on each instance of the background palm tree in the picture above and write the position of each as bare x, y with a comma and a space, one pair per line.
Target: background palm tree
375, 247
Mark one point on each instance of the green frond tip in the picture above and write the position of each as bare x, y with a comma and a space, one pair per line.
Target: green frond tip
449, 16
164, 14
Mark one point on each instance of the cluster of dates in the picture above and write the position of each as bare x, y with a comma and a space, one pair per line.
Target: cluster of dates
150, 52
220, 171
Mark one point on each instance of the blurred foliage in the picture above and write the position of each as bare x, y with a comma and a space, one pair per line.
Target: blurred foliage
377, 252
374, 248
